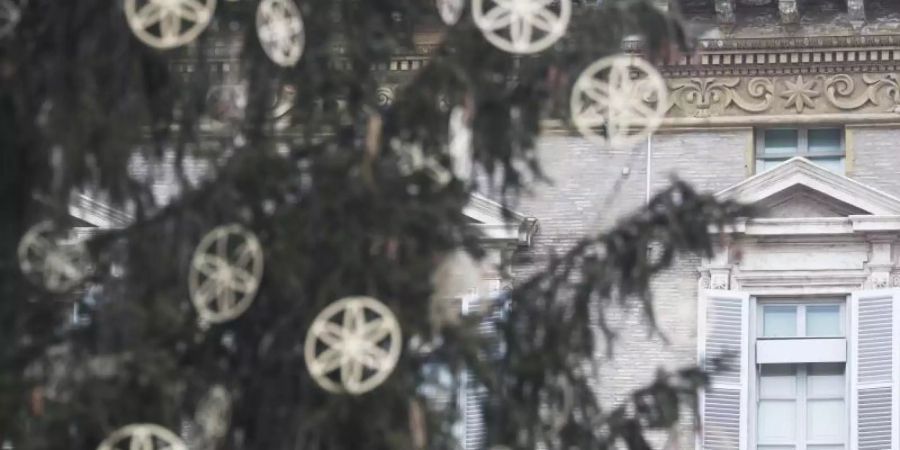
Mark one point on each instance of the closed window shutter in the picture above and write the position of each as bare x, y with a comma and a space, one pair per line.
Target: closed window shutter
874, 370
723, 330
473, 413
474, 394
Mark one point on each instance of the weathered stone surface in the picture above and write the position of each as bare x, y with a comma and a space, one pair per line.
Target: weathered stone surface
856, 10
875, 158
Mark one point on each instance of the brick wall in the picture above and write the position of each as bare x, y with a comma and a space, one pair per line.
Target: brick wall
876, 157
592, 188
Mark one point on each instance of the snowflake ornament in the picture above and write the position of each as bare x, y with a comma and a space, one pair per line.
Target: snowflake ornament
279, 27
353, 345
143, 436
58, 261
225, 273
165, 24
450, 10
10, 15
522, 26
618, 101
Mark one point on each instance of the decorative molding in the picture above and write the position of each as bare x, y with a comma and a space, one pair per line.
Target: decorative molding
850, 279
703, 282
788, 11
704, 97
877, 280
895, 279
719, 278
384, 95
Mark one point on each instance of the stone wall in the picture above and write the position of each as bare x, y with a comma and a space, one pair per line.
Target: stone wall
875, 157
592, 188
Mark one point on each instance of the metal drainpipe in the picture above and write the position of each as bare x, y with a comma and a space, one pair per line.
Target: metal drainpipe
649, 160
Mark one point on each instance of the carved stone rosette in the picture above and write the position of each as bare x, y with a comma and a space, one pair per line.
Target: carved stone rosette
719, 279
877, 280
795, 94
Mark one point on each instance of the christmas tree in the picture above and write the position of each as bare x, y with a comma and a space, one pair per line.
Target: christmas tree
273, 219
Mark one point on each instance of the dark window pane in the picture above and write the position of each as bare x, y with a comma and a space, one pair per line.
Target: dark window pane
780, 142
825, 141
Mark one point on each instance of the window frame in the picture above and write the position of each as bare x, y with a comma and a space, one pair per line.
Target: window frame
801, 402
753, 375
800, 304
802, 145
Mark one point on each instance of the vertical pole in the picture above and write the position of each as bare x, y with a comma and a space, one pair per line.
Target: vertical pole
649, 164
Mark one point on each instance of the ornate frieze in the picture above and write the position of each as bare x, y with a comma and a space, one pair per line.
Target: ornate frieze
798, 94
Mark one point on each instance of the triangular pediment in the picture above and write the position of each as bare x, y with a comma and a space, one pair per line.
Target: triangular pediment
799, 188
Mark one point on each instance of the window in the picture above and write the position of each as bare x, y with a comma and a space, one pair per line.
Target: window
801, 320
801, 389
801, 407
824, 146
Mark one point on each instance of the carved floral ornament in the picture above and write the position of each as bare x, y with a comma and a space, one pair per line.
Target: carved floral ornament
795, 94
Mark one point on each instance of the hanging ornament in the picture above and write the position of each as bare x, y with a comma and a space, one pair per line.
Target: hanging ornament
279, 26
618, 101
57, 261
450, 10
353, 345
10, 15
225, 273
522, 26
283, 103
460, 144
227, 103
167, 24
143, 436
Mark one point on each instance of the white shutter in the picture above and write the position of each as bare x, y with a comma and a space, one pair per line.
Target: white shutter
474, 394
723, 329
874, 367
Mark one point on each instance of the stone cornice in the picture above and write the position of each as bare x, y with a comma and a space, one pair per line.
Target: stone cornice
801, 43
787, 55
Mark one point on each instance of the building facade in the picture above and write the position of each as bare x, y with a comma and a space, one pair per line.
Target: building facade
790, 105
793, 106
